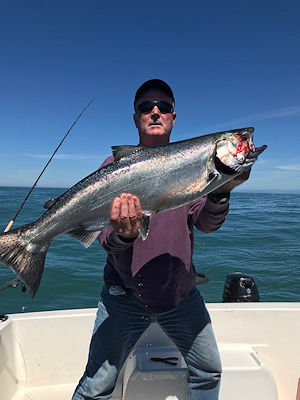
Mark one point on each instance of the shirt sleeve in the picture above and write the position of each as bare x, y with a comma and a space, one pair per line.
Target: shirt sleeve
206, 215
107, 161
111, 242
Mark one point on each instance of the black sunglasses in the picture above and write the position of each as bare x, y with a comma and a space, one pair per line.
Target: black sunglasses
147, 107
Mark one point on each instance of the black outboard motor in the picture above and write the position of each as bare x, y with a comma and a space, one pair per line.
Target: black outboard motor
240, 288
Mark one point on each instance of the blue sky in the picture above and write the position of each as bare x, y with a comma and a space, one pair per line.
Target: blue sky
231, 64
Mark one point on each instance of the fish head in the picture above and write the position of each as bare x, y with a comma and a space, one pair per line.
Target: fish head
235, 151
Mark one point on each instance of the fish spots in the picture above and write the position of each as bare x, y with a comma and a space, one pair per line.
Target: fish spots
160, 162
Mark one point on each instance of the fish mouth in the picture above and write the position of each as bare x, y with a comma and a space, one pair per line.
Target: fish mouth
257, 152
248, 162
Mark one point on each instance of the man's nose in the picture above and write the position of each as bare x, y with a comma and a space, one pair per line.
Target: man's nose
155, 110
155, 113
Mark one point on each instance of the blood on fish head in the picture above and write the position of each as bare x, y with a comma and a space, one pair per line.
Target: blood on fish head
234, 149
242, 145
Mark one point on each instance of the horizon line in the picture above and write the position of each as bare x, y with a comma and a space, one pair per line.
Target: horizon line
259, 191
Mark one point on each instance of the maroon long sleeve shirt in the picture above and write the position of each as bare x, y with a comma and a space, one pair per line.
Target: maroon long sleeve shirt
158, 272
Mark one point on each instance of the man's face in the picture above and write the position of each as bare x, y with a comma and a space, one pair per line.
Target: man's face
154, 127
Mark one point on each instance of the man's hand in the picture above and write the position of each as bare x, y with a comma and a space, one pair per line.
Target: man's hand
228, 186
126, 216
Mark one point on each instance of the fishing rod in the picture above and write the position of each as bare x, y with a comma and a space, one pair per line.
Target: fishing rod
15, 282
43, 170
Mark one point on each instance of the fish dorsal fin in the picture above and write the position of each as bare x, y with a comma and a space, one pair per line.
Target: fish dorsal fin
123, 151
49, 203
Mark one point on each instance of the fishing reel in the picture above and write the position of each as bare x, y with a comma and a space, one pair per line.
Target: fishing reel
13, 284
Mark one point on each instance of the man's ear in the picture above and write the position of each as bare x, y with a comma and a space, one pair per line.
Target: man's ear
135, 118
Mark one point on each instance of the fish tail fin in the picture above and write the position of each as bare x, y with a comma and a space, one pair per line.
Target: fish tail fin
27, 261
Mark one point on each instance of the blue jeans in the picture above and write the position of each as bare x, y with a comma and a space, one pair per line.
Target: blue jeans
120, 322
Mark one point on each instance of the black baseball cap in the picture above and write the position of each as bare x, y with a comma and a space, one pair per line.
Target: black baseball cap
154, 84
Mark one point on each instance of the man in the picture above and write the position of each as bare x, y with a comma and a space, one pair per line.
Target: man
154, 280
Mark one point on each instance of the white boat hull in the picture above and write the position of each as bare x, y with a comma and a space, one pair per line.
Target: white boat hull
43, 355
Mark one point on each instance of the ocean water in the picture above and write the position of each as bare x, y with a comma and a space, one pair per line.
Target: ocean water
260, 237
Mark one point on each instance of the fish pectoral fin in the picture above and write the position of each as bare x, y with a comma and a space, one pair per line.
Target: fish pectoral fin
86, 237
202, 185
145, 226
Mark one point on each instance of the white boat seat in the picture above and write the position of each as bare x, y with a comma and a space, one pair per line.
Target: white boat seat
244, 375
162, 378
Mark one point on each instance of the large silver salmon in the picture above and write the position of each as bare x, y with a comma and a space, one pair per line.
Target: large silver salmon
163, 178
